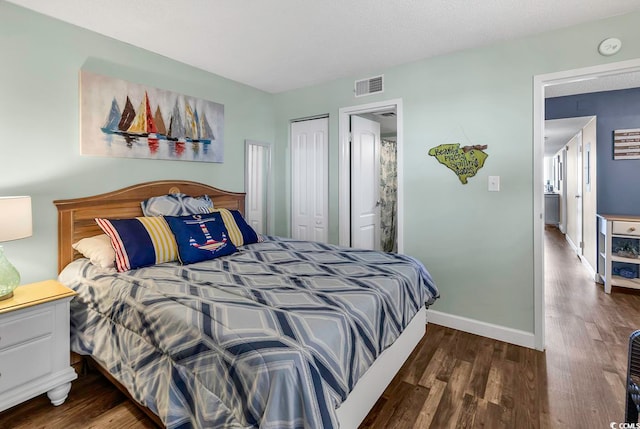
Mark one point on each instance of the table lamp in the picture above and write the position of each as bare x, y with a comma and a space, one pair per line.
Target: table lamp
15, 223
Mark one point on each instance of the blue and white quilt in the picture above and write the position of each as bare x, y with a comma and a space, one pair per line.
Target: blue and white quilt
275, 336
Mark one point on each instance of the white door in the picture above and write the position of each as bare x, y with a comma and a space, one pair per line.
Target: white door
579, 186
572, 192
365, 183
309, 180
589, 194
564, 193
257, 179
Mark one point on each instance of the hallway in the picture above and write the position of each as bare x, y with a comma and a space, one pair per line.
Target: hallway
587, 334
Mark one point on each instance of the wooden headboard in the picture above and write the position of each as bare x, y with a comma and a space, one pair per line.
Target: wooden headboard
76, 216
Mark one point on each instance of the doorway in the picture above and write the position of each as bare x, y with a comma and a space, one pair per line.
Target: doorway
258, 183
370, 176
374, 181
570, 145
539, 84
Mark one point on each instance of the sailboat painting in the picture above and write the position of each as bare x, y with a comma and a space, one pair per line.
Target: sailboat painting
125, 119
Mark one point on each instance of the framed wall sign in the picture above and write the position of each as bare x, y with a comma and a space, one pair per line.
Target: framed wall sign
626, 144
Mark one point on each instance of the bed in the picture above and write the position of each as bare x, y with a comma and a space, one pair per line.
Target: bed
255, 338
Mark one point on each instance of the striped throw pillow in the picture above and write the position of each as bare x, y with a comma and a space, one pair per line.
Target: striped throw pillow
141, 241
240, 232
176, 205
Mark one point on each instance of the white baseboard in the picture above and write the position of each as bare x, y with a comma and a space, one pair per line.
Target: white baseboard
587, 265
571, 243
497, 332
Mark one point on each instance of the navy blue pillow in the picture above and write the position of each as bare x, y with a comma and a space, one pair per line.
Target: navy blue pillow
239, 230
200, 237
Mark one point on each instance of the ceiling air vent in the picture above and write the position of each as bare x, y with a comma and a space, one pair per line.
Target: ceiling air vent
372, 85
388, 114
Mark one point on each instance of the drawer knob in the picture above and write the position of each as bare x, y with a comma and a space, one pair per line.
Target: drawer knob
633, 228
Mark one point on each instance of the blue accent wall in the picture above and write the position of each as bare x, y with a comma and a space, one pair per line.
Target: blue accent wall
618, 180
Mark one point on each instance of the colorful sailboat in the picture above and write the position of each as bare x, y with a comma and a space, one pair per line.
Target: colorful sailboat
191, 124
127, 116
176, 130
160, 126
197, 129
206, 134
143, 124
111, 124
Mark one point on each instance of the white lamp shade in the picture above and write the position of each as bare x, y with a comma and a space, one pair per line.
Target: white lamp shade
15, 218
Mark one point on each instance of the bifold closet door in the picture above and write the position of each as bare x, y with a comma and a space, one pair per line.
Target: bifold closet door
309, 179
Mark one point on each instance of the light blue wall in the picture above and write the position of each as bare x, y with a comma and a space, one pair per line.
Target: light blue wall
477, 244
39, 128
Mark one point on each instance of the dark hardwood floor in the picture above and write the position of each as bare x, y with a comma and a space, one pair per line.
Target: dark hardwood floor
454, 379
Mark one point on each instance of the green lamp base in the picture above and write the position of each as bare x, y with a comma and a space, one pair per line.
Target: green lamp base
9, 277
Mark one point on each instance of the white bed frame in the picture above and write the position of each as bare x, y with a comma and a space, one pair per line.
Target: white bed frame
371, 386
76, 221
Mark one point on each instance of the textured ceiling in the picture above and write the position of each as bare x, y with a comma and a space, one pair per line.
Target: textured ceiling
603, 83
285, 44
558, 132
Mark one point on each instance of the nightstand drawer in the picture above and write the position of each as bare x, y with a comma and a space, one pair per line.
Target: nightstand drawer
34, 344
25, 326
626, 228
24, 363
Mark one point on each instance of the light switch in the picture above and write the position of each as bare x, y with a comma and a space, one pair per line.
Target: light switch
494, 183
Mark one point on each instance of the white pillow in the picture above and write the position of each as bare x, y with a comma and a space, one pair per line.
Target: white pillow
98, 249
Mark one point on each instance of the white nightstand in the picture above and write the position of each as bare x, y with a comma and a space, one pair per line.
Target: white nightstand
34, 344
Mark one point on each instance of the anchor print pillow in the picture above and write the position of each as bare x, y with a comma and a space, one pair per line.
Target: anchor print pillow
200, 237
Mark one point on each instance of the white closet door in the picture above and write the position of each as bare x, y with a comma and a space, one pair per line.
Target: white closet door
309, 180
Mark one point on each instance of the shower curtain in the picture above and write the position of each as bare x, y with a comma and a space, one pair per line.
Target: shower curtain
388, 195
